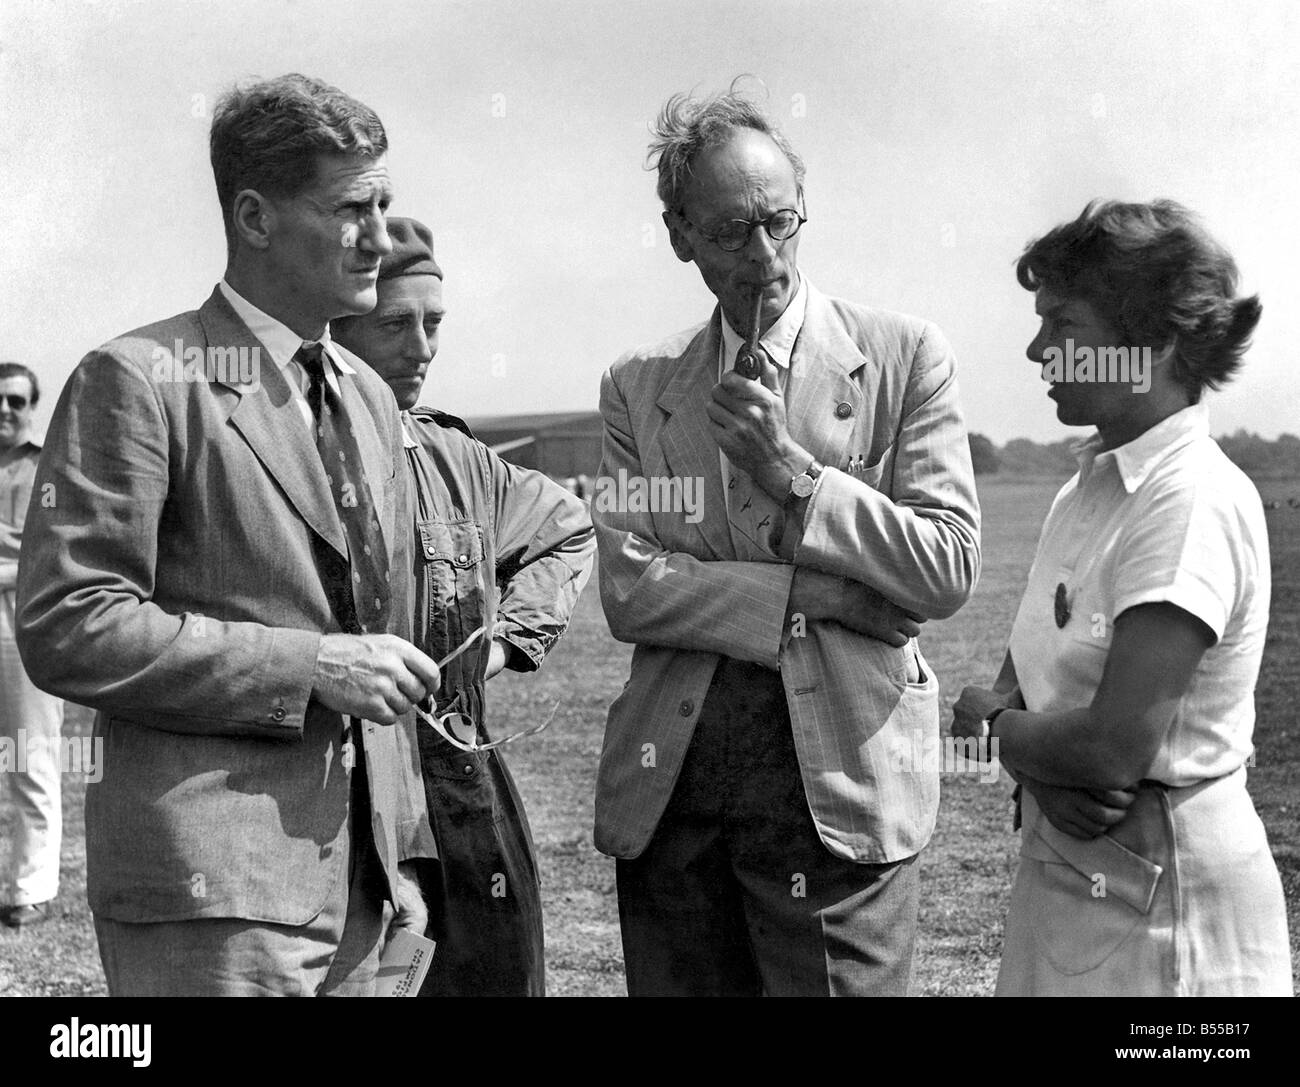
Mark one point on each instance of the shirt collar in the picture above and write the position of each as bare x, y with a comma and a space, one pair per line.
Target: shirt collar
408, 441
777, 341
277, 337
1135, 460
26, 439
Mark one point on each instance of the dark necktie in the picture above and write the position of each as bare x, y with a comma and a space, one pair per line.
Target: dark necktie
365, 608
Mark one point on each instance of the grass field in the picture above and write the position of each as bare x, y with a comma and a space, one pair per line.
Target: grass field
966, 871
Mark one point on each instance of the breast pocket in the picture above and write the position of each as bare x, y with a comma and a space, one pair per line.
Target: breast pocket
453, 598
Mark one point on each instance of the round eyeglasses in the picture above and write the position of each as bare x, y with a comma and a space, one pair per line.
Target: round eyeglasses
456, 726
781, 226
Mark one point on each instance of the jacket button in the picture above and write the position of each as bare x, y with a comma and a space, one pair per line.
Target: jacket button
686, 708
278, 714
843, 409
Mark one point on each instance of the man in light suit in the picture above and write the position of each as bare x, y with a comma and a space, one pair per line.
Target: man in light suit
218, 505
757, 782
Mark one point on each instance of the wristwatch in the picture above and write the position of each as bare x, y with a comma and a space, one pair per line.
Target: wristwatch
986, 729
801, 486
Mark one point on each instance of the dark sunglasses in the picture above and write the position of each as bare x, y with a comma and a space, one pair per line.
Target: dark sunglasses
13, 403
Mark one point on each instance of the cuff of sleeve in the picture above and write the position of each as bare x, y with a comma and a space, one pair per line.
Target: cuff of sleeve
1198, 600
528, 653
834, 490
292, 660
773, 630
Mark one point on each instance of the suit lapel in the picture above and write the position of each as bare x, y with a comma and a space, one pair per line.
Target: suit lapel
268, 418
824, 375
688, 445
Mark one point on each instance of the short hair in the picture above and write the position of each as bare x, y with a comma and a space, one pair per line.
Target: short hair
687, 125
266, 136
17, 369
1156, 274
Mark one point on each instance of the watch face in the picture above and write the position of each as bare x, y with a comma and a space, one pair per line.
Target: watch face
801, 486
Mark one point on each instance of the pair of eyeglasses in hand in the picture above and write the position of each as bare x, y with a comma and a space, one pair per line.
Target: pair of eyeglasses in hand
460, 729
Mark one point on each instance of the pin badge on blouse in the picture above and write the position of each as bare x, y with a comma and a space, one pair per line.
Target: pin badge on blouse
1061, 606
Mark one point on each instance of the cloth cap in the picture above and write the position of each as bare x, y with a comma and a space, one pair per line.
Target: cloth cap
412, 253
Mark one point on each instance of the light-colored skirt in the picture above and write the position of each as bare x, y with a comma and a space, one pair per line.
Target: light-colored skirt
1180, 899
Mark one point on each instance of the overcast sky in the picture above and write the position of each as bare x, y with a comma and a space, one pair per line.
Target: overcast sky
939, 137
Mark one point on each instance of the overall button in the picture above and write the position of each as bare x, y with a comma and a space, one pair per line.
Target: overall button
278, 714
843, 409
686, 708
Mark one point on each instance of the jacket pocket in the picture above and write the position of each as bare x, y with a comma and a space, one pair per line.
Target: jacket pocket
879, 476
452, 595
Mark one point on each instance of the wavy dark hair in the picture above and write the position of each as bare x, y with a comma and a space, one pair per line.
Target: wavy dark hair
1155, 273
266, 136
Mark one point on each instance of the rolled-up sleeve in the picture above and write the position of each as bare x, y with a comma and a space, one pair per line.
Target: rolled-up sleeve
545, 547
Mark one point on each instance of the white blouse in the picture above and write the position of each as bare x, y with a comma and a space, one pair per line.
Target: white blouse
1165, 518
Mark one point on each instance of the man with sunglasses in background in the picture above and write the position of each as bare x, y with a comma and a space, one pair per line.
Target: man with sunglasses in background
31, 721
757, 783
501, 554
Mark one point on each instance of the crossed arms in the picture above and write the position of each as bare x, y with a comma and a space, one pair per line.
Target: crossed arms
864, 559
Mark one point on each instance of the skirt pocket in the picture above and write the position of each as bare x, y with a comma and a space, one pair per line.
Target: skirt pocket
1085, 898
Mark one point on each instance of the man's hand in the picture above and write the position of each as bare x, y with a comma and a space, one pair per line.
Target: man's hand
974, 705
825, 597
377, 677
748, 422
411, 911
1081, 813
866, 611
498, 657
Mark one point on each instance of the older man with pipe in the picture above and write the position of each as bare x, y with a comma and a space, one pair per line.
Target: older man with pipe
755, 784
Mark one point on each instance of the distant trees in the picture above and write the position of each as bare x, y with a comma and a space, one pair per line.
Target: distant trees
1021, 457
983, 455
1261, 459
1258, 457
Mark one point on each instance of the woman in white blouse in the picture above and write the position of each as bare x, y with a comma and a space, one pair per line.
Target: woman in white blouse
1125, 704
